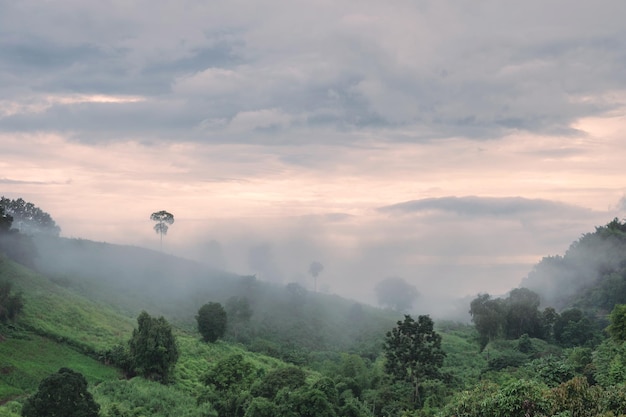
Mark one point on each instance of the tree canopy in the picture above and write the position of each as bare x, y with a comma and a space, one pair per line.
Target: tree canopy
163, 219
212, 321
153, 348
62, 394
28, 218
413, 352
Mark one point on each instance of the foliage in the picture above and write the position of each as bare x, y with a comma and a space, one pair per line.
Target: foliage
212, 321
413, 352
230, 373
396, 293
488, 316
518, 398
289, 377
617, 328
62, 394
139, 397
29, 218
522, 314
10, 304
153, 349
574, 328
577, 398
609, 362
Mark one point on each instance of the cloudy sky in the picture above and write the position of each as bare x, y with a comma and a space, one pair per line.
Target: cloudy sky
452, 143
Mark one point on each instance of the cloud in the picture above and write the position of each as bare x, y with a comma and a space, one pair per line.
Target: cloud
436, 69
474, 206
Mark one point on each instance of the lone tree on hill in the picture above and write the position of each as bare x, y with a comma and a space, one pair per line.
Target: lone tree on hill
315, 269
163, 218
62, 394
413, 352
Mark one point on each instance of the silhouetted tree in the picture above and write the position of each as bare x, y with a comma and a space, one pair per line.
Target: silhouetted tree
315, 269
28, 218
396, 293
413, 352
163, 218
153, 349
212, 319
6, 220
62, 394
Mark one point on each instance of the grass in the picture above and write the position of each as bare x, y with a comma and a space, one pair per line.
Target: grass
53, 311
25, 359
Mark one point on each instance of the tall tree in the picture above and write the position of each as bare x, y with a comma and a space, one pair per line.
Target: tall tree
488, 316
413, 352
163, 219
62, 394
315, 269
153, 349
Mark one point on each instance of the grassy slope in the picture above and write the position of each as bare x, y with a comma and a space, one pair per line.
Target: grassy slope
58, 327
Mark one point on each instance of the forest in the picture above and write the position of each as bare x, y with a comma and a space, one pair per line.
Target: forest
95, 329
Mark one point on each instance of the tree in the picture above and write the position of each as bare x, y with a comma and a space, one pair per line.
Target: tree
523, 315
6, 220
29, 218
10, 304
163, 218
617, 328
396, 293
574, 328
488, 317
413, 352
315, 269
62, 394
153, 349
212, 319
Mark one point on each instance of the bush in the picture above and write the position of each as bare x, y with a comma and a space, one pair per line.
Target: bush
211, 320
62, 394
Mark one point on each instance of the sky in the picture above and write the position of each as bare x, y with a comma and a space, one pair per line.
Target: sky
450, 143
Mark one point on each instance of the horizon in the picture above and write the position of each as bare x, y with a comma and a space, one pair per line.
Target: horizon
450, 145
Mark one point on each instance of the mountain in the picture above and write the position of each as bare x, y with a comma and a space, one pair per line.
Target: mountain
591, 275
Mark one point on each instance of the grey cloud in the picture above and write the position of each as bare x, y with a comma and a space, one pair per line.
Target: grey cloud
478, 73
483, 206
13, 182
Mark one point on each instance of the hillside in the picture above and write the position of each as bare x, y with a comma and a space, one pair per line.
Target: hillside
285, 320
591, 275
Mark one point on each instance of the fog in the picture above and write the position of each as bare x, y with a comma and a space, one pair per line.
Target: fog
450, 249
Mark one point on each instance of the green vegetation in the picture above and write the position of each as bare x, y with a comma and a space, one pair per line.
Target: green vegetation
289, 352
211, 320
152, 349
62, 394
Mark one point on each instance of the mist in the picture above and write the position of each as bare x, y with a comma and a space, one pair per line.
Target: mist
450, 254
